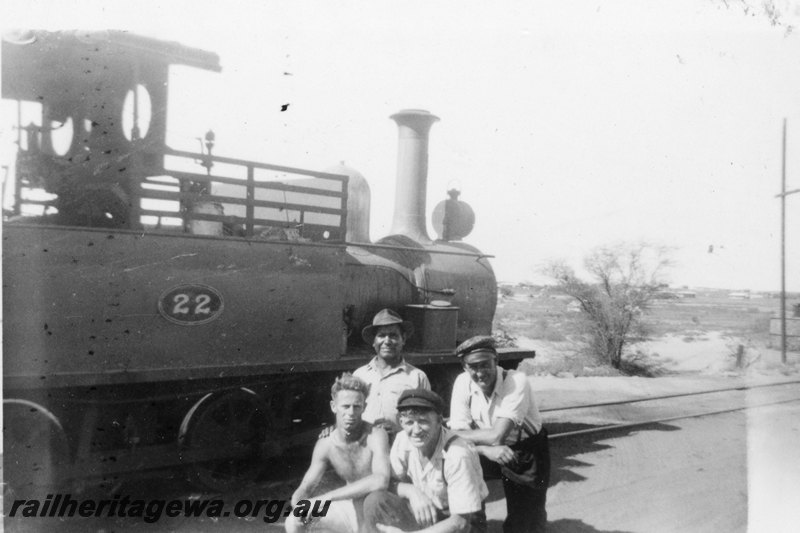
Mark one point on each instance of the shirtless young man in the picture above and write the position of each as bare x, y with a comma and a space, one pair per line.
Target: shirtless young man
357, 451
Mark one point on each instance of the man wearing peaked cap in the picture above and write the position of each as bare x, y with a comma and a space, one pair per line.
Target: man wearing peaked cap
388, 374
476, 344
495, 410
437, 479
421, 398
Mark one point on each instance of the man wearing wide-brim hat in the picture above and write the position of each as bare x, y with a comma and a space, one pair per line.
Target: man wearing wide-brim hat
388, 374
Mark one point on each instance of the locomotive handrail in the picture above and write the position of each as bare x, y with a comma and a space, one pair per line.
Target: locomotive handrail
199, 183
286, 366
229, 219
170, 195
254, 164
271, 185
476, 255
46, 203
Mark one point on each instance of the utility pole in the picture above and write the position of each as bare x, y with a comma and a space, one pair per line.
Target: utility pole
783, 196
783, 248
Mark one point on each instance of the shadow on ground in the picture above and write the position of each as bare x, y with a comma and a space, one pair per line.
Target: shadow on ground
172, 486
566, 525
564, 453
564, 450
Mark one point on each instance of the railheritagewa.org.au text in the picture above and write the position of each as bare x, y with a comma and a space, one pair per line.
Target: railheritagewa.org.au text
151, 511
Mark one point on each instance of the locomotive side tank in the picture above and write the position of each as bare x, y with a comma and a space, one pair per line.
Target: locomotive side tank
156, 315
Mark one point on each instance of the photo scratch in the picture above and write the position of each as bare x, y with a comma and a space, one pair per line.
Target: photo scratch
131, 269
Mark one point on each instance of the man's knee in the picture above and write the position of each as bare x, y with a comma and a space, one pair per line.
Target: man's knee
383, 507
293, 524
376, 503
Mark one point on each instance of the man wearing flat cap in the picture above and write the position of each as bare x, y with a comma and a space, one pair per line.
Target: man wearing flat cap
437, 480
388, 374
495, 409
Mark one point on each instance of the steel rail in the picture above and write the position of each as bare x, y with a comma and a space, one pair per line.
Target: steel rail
662, 420
666, 396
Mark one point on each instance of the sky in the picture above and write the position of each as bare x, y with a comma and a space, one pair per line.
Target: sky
566, 125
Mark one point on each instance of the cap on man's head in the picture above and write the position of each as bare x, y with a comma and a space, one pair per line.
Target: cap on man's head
477, 344
385, 317
420, 398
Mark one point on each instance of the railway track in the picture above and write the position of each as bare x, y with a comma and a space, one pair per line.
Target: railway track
600, 410
589, 419
574, 413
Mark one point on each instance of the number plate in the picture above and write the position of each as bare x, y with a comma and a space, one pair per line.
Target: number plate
190, 305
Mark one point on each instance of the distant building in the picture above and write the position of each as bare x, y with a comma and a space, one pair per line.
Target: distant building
665, 295
743, 295
574, 307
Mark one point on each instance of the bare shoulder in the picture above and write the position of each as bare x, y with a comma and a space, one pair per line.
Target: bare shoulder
376, 436
323, 446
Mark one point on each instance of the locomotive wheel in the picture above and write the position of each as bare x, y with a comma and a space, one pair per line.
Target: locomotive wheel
233, 425
35, 447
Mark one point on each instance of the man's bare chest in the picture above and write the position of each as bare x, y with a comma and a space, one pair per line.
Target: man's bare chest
351, 461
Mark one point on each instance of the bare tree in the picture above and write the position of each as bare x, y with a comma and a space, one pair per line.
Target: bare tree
625, 278
779, 13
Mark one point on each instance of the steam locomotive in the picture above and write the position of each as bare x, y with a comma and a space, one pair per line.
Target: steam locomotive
169, 308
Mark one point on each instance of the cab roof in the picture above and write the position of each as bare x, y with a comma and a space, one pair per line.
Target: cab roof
38, 64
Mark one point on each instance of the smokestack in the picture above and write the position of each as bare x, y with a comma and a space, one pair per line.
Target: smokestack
412, 173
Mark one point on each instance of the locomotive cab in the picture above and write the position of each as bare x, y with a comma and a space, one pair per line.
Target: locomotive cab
101, 129
92, 147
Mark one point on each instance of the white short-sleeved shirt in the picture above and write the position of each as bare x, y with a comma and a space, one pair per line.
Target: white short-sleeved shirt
452, 479
384, 391
511, 398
